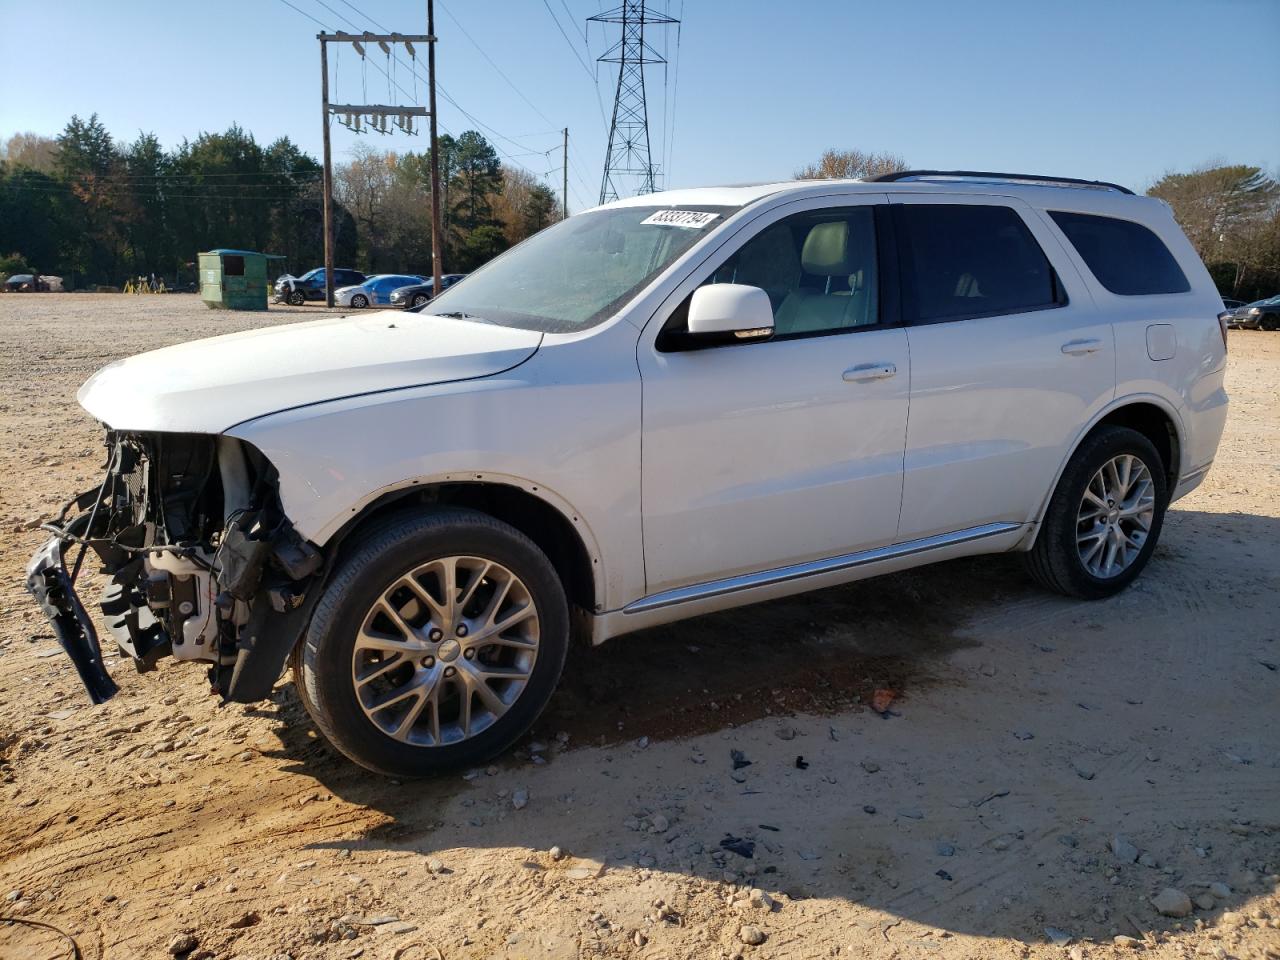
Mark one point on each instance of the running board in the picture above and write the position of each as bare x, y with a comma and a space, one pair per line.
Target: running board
813, 568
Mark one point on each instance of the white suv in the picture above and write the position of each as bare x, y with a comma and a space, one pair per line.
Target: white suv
659, 408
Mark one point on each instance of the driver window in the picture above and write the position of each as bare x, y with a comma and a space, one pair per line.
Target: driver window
819, 269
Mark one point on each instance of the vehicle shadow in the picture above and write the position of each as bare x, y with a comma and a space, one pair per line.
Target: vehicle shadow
1025, 732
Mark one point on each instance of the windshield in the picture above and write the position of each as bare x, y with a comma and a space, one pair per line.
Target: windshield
577, 273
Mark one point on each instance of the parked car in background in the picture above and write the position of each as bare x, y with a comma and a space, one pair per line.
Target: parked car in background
1259, 315
415, 295
669, 405
310, 286
1231, 304
375, 291
25, 283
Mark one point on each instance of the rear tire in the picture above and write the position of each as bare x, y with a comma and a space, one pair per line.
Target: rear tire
1270, 321
1097, 535
389, 637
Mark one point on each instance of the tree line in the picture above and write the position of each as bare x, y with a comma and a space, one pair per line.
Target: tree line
96, 210
1230, 213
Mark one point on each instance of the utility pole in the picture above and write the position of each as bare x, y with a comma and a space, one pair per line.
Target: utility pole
374, 115
327, 182
628, 154
437, 234
564, 170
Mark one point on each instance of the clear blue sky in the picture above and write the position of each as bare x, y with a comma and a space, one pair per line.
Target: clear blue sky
1120, 91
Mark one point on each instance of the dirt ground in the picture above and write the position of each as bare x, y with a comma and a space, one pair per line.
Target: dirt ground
1045, 769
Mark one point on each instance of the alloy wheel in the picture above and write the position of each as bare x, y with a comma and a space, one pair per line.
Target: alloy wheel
445, 651
1115, 516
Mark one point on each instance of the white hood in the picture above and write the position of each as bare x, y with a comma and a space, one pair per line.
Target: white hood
208, 386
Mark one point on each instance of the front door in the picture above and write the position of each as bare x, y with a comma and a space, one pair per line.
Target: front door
1009, 357
761, 455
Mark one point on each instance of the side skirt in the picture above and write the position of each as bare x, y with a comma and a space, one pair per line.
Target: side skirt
714, 595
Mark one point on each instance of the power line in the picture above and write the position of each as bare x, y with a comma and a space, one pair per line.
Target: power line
518, 91
595, 82
572, 48
675, 89
305, 14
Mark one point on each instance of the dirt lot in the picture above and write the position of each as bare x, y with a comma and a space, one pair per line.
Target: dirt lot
1035, 750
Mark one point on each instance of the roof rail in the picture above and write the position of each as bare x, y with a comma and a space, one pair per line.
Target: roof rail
988, 175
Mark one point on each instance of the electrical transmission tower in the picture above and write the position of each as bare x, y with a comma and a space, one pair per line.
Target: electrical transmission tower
628, 155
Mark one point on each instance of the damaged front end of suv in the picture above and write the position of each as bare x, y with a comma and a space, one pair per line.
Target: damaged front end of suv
200, 560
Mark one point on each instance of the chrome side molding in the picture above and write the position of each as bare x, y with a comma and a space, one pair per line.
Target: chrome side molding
798, 571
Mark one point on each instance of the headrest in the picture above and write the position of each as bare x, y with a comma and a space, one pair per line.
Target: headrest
826, 249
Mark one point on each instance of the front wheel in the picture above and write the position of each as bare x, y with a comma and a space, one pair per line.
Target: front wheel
296, 298
359, 301
436, 644
1105, 517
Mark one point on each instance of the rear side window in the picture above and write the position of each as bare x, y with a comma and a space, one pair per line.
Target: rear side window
1126, 257
972, 261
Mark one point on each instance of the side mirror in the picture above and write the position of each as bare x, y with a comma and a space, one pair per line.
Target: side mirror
731, 308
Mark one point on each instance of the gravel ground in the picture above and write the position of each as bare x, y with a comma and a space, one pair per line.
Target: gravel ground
1048, 775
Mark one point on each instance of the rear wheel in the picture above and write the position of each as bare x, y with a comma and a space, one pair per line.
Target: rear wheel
436, 644
1269, 321
1105, 517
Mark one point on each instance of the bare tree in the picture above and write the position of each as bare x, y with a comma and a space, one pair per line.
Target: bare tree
1229, 213
852, 165
31, 150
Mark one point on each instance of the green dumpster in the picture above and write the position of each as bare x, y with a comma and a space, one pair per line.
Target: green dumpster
234, 279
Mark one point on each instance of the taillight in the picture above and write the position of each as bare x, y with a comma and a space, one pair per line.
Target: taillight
1222, 326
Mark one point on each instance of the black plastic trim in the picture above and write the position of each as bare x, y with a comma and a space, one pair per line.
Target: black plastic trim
900, 175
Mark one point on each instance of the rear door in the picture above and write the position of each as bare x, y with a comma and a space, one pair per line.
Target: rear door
1009, 358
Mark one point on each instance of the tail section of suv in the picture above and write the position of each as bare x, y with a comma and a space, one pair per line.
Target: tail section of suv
829, 380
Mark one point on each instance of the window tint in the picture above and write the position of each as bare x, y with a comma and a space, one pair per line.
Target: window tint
1126, 257
818, 268
972, 261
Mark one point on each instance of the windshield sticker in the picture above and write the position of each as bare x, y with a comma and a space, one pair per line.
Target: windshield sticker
690, 219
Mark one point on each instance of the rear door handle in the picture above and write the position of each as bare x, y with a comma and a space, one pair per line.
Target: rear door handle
866, 372
1078, 348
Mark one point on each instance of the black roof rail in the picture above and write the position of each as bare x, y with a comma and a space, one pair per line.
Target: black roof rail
988, 175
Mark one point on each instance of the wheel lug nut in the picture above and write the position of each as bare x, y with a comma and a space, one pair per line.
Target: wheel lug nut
470, 653
462, 630
449, 671
436, 636
428, 661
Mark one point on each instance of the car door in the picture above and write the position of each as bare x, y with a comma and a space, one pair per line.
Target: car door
762, 455
1009, 358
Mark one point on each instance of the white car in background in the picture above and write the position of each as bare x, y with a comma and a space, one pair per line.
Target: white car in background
659, 408
375, 291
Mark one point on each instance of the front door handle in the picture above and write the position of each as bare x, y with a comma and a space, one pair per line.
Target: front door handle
866, 372
1078, 348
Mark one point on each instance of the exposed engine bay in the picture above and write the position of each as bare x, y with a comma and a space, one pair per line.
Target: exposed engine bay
202, 563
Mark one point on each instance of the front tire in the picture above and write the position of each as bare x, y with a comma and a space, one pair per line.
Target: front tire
420, 299
437, 642
1105, 517
359, 301
296, 298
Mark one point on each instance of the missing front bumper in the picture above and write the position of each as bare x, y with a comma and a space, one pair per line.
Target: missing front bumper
54, 590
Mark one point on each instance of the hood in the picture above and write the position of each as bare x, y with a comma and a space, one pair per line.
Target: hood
208, 386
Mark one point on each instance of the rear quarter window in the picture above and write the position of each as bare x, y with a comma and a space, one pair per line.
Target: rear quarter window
1125, 257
